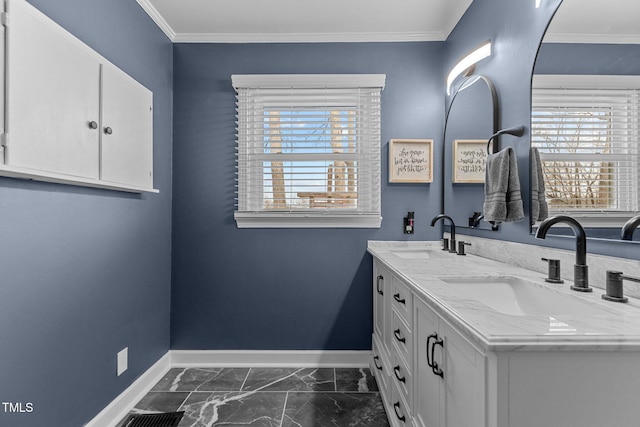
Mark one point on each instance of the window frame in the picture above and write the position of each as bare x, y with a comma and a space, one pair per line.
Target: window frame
247, 214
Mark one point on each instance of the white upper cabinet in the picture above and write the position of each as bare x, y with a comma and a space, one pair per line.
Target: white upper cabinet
52, 97
126, 131
71, 116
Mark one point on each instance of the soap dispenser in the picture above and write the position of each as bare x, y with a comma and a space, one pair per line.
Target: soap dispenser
408, 223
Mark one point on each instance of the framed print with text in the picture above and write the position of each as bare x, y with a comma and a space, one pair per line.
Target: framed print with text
411, 160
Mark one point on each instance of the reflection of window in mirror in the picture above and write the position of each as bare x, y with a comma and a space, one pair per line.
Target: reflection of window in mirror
586, 129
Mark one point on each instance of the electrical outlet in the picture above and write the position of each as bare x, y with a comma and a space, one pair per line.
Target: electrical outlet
123, 360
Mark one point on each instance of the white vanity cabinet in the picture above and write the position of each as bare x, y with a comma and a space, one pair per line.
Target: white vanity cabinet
71, 116
381, 364
429, 375
449, 380
457, 362
392, 362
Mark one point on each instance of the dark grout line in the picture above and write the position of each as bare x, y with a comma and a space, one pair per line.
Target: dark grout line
269, 391
284, 409
245, 379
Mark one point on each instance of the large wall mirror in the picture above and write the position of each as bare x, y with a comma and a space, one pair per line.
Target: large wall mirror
472, 117
586, 114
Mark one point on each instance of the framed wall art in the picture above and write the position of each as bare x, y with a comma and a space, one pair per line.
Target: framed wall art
469, 160
411, 160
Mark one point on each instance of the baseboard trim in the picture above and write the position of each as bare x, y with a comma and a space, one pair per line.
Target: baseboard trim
121, 405
271, 358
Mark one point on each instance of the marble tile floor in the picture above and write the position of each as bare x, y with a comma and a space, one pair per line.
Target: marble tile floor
268, 397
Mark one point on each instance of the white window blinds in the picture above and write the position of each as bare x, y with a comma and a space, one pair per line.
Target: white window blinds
308, 150
587, 133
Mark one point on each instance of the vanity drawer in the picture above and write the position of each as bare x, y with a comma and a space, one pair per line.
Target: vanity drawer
400, 413
401, 337
401, 299
380, 368
401, 376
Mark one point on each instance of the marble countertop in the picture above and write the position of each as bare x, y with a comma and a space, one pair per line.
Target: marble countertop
612, 326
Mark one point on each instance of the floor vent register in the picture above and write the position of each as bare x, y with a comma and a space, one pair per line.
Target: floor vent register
165, 419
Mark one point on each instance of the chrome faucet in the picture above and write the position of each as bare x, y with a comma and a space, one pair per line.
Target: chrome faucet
580, 269
452, 243
629, 227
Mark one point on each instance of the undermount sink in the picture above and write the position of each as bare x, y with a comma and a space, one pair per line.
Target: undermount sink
418, 253
519, 297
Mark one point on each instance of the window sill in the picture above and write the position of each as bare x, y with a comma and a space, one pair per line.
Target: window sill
610, 220
306, 220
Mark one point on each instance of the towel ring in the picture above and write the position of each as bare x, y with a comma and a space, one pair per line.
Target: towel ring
515, 131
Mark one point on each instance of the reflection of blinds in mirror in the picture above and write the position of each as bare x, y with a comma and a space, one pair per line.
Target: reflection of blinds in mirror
589, 147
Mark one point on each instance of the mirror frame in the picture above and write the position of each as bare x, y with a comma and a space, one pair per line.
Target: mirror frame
495, 126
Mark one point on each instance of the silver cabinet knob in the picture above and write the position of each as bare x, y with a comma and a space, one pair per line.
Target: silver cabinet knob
108, 130
93, 124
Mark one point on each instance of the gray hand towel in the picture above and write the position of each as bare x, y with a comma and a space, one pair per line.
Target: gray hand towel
539, 207
502, 197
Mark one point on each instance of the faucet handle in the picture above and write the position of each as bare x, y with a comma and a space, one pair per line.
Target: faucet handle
445, 244
553, 273
614, 286
461, 246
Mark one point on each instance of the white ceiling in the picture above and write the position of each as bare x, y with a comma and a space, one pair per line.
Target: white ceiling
263, 21
596, 21
236, 21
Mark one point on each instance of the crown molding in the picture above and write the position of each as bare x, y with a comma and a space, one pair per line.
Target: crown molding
306, 37
592, 38
157, 18
303, 37
455, 17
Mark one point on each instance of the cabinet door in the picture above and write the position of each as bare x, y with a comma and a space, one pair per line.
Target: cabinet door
52, 96
379, 277
463, 380
427, 386
381, 369
126, 129
382, 311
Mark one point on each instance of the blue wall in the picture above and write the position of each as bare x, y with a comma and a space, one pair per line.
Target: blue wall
284, 288
86, 272
606, 59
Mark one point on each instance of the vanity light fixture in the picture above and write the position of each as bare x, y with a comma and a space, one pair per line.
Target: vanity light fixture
480, 53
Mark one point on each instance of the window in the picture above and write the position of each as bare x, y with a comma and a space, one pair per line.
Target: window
587, 131
308, 150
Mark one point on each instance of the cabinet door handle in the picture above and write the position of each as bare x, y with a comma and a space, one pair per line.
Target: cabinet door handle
375, 362
396, 407
400, 300
429, 338
378, 279
93, 124
108, 130
396, 372
399, 337
434, 366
